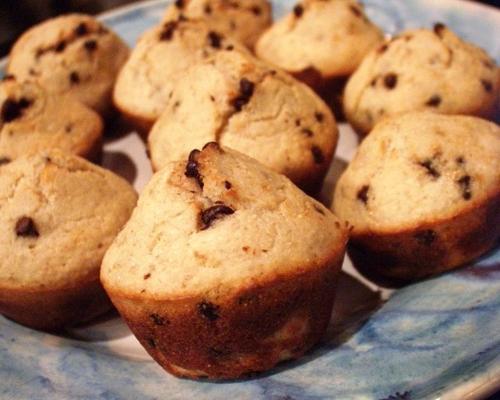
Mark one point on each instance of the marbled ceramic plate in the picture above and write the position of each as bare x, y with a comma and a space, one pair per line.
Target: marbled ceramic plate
436, 339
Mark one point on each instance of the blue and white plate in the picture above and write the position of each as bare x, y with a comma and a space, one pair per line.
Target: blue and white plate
439, 339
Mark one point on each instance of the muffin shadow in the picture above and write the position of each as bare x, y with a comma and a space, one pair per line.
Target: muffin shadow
121, 164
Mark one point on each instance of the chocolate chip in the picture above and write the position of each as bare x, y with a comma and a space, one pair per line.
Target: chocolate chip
355, 10
256, 10
318, 156
230, 47
214, 39
383, 48
439, 28
81, 29
298, 10
307, 132
217, 353
460, 160
147, 276
157, 319
59, 47
430, 168
434, 101
9, 77
25, 226
488, 64
319, 117
390, 80
228, 185
179, 4
208, 9
74, 78
213, 213
297, 122
426, 238
246, 92
465, 185
68, 128
362, 194
208, 310
168, 30
13, 109
192, 167
487, 85
90, 45
4, 160
214, 145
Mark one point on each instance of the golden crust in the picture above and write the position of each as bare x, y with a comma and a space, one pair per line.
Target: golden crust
436, 246
248, 330
55, 308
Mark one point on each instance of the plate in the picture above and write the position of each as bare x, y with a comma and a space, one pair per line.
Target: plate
436, 339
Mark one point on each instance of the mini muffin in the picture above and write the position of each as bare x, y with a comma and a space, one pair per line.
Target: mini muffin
244, 20
422, 195
59, 215
160, 58
32, 120
225, 267
239, 102
72, 54
422, 70
320, 40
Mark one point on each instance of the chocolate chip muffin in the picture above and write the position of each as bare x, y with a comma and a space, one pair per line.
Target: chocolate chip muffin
160, 58
59, 215
71, 54
422, 195
225, 267
32, 120
239, 102
422, 70
244, 20
319, 41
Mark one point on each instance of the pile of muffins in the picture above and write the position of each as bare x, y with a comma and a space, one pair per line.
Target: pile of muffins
224, 266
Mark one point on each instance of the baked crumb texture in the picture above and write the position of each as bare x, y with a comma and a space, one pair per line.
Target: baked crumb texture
225, 268
422, 195
59, 214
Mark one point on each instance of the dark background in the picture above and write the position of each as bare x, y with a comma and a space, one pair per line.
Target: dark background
16, 16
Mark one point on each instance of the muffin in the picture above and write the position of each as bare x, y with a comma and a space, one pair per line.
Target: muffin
59, 215
160, 58
419, 70
239, 102
225, 267
244, 20
422, 195
320, 42
71, 54
32, 120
